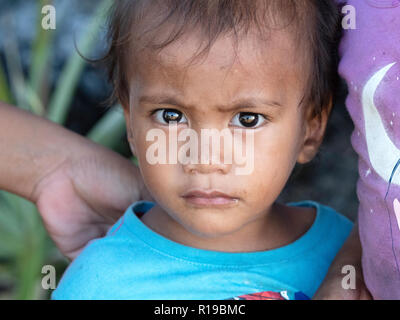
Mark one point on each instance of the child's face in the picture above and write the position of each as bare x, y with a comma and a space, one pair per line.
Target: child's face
267, 80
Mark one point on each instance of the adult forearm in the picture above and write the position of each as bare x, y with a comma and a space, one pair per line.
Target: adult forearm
31, 147
349, 255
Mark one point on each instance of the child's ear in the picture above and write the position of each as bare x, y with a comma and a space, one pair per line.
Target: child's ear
129, 130
314, 135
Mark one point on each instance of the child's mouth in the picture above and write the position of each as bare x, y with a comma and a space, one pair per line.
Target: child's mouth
209, 198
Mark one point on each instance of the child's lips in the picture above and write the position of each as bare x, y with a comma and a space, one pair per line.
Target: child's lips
209, 198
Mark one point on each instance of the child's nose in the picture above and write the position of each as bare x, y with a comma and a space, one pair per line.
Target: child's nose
212, 158
201, 168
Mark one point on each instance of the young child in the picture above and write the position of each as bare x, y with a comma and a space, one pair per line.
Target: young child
268, 67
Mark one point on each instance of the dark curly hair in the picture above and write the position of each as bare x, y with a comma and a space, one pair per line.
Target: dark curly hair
135, 25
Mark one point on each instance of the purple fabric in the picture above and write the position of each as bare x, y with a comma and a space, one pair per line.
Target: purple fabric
370, 59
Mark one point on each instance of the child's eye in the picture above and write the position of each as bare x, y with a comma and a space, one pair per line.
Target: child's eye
165, 116
248, 120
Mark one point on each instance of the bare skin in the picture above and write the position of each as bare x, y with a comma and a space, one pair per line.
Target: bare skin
79, 187
205, 94
331, 288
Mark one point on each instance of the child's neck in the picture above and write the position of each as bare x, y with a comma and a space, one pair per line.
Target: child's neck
279, 226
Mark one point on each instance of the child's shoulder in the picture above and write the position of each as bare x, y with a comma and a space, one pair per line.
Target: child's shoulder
89, 276
330, 228
324, 212
102, 265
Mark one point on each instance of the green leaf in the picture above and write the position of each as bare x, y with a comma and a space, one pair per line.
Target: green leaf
40, 54
34, 102
5, 93
135, 161
109, 129
30, 261
13, 63
59, 103
8, 220
24, 240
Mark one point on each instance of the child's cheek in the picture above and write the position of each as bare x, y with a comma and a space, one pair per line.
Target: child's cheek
160, 179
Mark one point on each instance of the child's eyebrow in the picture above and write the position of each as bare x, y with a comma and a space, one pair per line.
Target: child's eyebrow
250, 102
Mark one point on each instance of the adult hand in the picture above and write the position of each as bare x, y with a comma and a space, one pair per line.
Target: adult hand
82, 198
79, 187
332, 288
